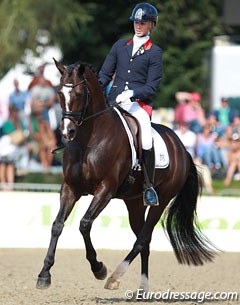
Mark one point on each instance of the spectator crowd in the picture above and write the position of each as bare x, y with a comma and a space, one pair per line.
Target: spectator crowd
212, 139
29, 129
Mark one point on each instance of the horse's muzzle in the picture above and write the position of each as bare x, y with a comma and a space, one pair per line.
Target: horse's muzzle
68, 134
68, 130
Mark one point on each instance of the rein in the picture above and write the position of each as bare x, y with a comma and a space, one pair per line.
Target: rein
60, 149
92, 115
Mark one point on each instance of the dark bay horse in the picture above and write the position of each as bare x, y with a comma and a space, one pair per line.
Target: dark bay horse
97, 161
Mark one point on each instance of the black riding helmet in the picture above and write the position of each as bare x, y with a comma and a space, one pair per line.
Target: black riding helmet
144, 12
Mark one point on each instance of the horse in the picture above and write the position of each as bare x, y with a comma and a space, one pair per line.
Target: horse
97, 161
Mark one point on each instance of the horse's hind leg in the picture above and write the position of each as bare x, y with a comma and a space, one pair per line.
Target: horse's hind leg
136, 210
67, 201
141, 246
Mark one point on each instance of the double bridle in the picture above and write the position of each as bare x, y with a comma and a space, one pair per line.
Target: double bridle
81, 115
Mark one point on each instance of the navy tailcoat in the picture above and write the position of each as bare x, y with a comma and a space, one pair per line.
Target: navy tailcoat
141, 72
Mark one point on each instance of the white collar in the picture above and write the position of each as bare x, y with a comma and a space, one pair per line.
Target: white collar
138, 42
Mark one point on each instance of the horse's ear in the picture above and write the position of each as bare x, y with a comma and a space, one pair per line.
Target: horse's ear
60, 67
81, 69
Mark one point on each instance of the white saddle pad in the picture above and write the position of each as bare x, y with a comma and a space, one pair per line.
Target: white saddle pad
161, 153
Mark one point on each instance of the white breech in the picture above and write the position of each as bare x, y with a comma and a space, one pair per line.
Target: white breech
144, 120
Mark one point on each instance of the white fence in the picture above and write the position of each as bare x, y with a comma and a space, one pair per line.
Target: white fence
26, 219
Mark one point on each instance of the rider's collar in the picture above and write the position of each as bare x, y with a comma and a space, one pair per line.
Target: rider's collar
146, 44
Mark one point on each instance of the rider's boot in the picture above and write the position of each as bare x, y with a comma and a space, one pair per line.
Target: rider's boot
150, 196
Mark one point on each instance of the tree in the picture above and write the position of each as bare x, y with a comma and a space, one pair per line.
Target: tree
110, 21
186, 31
27, 24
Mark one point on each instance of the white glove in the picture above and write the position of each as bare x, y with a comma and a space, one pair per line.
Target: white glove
124, 96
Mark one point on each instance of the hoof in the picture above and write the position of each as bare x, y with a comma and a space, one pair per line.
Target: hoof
101, 274
43, 282
112, 284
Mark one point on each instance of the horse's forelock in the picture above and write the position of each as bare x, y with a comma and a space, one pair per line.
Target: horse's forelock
81, 69
80, 66
70, 69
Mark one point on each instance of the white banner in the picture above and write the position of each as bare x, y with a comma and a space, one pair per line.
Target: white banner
26, 219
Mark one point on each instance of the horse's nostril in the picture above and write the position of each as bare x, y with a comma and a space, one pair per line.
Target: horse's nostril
71, 133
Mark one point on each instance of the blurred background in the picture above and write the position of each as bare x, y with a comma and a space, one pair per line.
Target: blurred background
200, 40
187, 31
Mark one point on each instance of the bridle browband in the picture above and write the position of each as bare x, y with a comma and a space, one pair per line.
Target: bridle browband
80, 115
72, 86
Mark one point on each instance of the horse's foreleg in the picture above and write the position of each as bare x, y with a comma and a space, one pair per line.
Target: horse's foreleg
67, 201
140, 246
99, 202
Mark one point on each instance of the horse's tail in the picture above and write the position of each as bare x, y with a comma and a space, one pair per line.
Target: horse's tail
189, 244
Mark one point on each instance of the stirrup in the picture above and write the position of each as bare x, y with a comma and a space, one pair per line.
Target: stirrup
150, 197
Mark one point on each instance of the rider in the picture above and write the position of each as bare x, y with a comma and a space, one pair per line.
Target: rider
137, 66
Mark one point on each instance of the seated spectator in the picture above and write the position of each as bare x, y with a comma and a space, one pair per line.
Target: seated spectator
195, 113
215, 125
225, 113
233, 130
207, 150
220, 137
14, 122
233, 160
190, 110
187, 137
4, 113
44, 140
12, 148
233, 149
182, 98
7, 163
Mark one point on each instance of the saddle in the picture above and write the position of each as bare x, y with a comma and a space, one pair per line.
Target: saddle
135, 130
